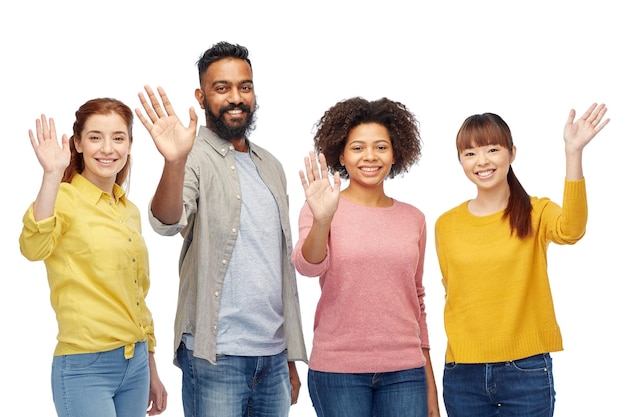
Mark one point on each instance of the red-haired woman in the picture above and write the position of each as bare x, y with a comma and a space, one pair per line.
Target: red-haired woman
89, 236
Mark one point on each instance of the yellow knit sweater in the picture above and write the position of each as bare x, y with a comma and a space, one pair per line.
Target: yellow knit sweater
498, 300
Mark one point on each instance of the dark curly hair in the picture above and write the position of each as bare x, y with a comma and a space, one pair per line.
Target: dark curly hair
332, 130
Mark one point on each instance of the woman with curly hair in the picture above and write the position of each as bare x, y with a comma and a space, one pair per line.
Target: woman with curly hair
370, 353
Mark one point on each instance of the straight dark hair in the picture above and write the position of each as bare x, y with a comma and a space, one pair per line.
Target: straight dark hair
490, 129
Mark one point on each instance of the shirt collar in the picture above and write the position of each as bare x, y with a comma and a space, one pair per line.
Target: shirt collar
93, 193
222, 146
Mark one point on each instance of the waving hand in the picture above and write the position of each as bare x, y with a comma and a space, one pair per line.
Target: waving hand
172, 139
321, 196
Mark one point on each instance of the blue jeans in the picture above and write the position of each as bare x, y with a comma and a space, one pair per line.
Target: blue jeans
102, 384
388, 394
236, 386
520, 388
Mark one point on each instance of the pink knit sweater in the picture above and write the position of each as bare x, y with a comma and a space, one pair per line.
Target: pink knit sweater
371, 315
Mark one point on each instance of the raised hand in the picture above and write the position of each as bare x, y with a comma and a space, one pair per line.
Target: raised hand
172, 139
52, 157
321, 196
578, 134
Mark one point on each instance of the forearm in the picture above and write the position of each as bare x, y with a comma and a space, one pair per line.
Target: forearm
46, 198
167, 203
316, 242
573, 164
431, 386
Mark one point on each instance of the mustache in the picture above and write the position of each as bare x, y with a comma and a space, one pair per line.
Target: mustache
243, 107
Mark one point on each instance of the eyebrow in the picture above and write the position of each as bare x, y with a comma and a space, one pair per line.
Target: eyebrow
216, 82
118, 132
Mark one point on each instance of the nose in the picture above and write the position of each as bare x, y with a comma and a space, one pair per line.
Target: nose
235, 96
370, 153
482, 158
107, 145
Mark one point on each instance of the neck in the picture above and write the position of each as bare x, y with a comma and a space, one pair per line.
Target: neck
489, 201
240, 144
370, 197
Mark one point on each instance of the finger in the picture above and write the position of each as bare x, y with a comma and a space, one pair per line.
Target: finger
146, 106
31, 136
143, 120
303, 180
52, 130
155, 102
45, 130
337, 178
193, 119
39, 130
309, 168
314, 166
604, 123
589, 111
166, 102
323, 163
598, 114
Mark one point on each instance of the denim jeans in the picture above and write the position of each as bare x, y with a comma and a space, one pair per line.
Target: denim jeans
237, 386
520, 388
102, 384
387, 394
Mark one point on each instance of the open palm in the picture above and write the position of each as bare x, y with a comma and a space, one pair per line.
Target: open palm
173, 140
52, 157
321, 196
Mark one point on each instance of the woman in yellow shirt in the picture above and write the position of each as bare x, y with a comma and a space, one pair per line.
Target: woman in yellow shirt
89, 236
499, 315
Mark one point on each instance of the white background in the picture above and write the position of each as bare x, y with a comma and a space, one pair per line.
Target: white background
528, 61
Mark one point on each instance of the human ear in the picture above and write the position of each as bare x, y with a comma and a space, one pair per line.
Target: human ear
200, 97
513, 153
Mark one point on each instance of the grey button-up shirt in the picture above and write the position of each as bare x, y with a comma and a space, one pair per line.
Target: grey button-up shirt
209, 225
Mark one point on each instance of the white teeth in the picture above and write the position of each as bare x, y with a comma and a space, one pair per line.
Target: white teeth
369, 169
484, 173
235, 111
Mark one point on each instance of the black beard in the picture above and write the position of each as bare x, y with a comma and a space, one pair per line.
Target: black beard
218, 124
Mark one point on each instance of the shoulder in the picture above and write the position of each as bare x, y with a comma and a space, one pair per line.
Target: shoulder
265, 155
409, 209
451, 217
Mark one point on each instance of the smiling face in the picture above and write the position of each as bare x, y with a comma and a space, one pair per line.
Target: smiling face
487, 166
227, 97
105, 145
368, 155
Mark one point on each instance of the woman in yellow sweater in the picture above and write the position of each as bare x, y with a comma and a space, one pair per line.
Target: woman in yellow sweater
499, 315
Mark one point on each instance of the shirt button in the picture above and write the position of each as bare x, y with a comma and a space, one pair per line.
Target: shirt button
238, 197
223, 261
217, 293
234, 230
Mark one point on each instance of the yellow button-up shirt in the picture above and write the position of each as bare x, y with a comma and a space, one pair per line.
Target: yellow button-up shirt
97, 265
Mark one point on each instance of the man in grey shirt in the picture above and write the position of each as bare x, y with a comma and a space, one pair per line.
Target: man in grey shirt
238, 328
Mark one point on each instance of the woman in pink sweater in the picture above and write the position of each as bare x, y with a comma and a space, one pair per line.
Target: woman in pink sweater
499, 315
370, 353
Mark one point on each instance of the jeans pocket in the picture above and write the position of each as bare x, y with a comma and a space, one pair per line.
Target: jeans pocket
79, 361
541, 362
449, 366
